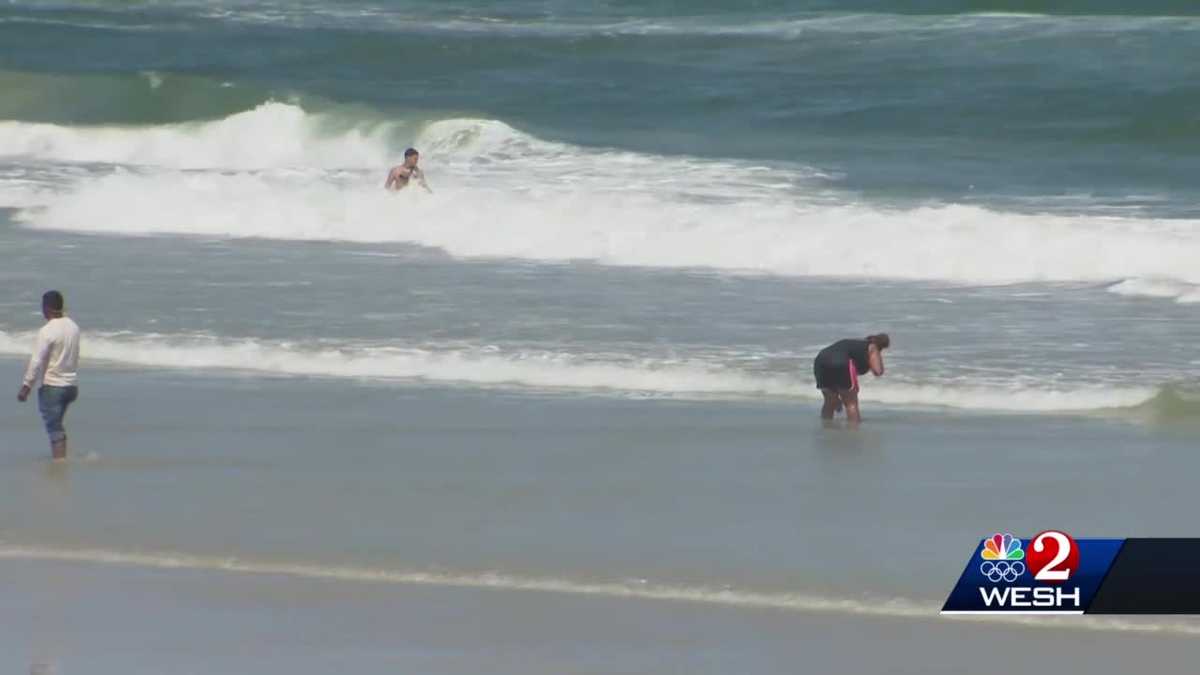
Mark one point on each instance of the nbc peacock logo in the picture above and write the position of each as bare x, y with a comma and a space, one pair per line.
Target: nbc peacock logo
1002, 558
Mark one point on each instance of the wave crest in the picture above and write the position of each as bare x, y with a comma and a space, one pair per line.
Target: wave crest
279, 172
272, 135
561, 371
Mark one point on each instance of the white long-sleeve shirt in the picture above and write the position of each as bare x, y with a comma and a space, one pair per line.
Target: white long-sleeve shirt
55, 355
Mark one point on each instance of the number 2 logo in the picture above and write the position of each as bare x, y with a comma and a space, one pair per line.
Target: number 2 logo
1053, 557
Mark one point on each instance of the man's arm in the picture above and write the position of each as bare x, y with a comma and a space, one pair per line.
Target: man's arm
393, 179
37, 363
421, 180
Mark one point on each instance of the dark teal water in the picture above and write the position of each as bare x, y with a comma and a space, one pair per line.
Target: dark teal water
945, 101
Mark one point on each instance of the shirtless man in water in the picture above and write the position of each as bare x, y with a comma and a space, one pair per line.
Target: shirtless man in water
399, 176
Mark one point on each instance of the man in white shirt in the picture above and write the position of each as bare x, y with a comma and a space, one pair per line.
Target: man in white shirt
55, 363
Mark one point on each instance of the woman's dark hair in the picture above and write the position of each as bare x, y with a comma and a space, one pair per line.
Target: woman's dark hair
882, 341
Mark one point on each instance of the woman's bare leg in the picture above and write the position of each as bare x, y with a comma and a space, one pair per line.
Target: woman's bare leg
832, 404
849, 399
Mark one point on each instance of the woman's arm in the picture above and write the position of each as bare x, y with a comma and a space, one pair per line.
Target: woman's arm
875, 358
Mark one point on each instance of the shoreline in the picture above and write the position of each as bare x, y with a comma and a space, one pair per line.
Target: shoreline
172, 621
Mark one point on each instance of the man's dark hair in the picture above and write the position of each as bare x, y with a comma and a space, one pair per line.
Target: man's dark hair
410, 152
52, 300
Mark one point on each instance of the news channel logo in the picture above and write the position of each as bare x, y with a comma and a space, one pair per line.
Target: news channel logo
1053, 557
1002, 559
1013, 575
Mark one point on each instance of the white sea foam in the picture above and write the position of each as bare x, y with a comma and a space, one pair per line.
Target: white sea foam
270, 136
772, 26
1181, 292
897, 608
545, 370
958, 244
504, 193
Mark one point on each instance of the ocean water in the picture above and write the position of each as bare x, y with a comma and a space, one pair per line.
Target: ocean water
573, 385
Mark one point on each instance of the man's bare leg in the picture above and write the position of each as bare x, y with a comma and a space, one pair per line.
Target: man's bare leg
58, 450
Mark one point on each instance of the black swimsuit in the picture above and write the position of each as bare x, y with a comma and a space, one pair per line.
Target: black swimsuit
834, 364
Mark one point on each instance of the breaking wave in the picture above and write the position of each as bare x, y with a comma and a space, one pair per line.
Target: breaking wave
562, 371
